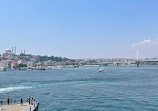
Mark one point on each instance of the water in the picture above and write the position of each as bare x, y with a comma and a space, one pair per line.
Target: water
85, 89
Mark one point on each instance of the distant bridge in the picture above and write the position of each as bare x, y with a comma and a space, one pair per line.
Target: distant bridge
140, 62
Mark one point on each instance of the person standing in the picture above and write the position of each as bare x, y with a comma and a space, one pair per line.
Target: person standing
29, 100
8, 100
1, 105
21, 101
1, 102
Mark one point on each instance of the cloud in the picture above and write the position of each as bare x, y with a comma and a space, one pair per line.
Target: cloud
144, 42
147, 47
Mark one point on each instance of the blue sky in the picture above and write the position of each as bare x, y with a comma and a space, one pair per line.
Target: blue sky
80, 28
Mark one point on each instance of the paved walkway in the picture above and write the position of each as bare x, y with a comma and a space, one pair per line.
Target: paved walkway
17, 107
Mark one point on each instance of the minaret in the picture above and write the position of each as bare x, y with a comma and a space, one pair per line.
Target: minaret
137, 56
15, 50
12, 50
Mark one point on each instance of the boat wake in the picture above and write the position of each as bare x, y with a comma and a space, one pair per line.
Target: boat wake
54, 83
15, 88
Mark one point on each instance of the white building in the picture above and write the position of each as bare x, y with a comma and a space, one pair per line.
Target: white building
7, 54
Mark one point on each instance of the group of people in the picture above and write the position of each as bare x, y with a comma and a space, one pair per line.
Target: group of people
10, 100
31, 100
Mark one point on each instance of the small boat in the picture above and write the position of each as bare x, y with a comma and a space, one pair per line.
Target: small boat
101, 69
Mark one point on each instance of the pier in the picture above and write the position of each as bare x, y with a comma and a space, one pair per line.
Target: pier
13, 104
19, 107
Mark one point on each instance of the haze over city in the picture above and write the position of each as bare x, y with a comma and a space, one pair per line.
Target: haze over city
80, 29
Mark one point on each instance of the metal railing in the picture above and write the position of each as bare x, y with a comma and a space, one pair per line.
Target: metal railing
13, 101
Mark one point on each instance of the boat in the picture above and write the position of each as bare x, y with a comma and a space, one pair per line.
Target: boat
101, 69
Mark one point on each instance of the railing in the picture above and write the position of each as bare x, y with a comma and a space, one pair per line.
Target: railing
13, 101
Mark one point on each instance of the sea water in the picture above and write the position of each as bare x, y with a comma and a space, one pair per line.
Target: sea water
124, 88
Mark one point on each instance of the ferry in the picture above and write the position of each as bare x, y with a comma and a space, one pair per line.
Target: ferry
101, 69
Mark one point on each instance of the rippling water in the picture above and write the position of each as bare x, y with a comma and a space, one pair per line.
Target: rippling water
85, 89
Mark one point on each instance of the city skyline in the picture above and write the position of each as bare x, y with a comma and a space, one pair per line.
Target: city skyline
80, 29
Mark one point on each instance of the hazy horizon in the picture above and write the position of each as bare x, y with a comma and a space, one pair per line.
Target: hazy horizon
80, 28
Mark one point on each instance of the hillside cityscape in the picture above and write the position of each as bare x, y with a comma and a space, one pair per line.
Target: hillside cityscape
9, 60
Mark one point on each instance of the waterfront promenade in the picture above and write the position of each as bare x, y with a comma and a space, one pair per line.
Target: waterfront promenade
19, 107
14, 105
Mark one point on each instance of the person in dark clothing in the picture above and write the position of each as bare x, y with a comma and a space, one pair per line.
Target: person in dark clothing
29, 99
1, 102
8, 100
21, 101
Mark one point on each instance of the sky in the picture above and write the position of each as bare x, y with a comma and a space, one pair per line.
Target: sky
80, 28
